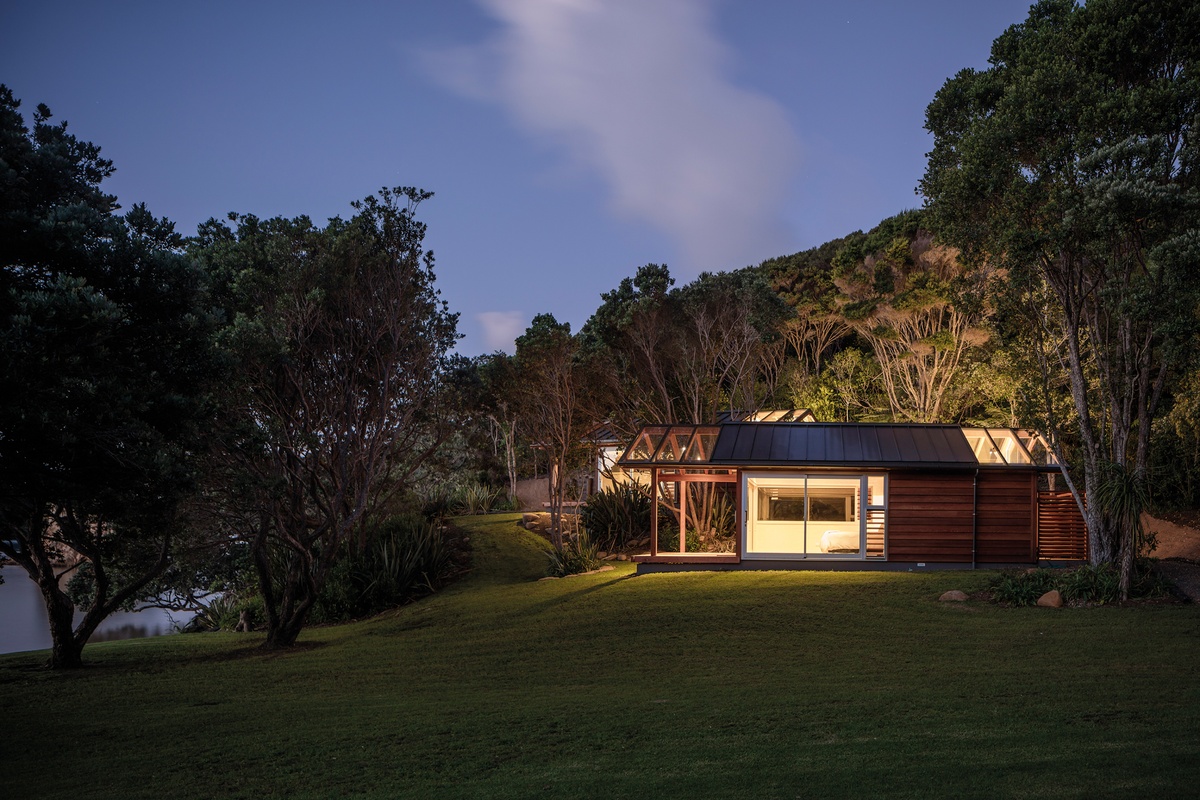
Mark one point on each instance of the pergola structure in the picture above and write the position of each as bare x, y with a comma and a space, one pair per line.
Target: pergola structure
677, 457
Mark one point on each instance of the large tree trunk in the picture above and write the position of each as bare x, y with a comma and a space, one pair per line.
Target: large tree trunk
66, 652
1099, 528
286, 631
296, 599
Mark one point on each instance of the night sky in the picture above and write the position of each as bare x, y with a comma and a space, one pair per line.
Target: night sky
567, 142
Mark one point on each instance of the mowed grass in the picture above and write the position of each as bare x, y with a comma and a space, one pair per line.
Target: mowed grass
804, 684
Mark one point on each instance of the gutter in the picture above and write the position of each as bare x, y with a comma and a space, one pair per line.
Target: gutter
974, 517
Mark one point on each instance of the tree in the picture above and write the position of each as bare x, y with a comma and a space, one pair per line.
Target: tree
501, 406
805, 281
558, 398
918, 308
104, 368
681, 355
726, 322
632, 333
1071, 163
339, 338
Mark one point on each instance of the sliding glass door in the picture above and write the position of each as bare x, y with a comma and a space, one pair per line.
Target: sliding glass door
810, 516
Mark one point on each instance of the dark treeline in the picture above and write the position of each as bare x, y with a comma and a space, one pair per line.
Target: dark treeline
270, 410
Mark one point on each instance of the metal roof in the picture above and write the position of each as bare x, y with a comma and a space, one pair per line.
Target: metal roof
819, 444
825, 444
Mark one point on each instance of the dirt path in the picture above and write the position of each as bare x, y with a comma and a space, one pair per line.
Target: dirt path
1185, 576
1177, 541
1174, 540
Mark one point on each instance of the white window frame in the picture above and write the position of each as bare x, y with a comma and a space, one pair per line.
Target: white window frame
752, 482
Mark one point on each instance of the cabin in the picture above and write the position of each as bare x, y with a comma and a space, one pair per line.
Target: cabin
811, 495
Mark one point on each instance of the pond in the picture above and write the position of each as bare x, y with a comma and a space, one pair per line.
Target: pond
23, 623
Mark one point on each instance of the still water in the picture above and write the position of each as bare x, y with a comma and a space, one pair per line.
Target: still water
23, 624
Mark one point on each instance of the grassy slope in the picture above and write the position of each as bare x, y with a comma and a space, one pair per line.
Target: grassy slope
734, 685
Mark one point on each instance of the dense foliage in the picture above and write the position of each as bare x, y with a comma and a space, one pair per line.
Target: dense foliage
1071, 164
1083, 585
576, 555
340, 338
617, 516
105, 366
403, 558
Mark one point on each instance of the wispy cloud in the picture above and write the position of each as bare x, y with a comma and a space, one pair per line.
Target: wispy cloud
501, 329
639, 92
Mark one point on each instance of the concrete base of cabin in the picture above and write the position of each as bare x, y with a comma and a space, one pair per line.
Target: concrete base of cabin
644, 568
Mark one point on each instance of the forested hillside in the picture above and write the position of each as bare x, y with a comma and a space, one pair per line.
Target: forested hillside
892, 325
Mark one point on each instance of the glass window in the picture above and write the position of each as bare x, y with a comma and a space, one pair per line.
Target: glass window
645, 444
981, 445
831, 504
674, 444
875, 490
1010, 448
1038, 449
781, 504
702, 444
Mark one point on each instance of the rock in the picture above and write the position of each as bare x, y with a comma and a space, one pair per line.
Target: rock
602, 554
528, 516
611, 557
548, 578
606, 568
1051, 599
953, 596
622, 557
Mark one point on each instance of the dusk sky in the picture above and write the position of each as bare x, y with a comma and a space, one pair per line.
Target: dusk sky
567, 142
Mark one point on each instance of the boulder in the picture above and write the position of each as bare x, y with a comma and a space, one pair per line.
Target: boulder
529, 516
1051, 599
622, 557
602, 554
953, 596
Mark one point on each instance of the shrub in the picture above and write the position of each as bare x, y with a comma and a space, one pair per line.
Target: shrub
225, 612
668, 538
1083, 584
614, 517
474, 498
436, 504
578, 554
1088, 584
1023, 587
405, 557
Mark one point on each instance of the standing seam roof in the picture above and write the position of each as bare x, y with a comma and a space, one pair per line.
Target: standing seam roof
816, 443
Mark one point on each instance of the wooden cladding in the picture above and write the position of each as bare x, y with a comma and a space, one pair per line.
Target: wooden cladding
942, 516
1062, 532
1007, 521
929, 516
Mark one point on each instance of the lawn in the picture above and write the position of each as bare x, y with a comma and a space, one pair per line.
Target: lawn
760, 685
